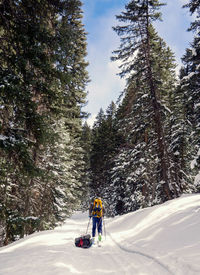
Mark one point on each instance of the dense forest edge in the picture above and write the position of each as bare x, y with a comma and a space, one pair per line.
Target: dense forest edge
142, 151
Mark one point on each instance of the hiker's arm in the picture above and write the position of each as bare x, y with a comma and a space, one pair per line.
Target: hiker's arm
90, 211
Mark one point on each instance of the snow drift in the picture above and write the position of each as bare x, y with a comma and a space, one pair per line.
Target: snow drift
159, 240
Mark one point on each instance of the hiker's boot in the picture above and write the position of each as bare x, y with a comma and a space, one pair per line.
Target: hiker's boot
93, 240
99, 237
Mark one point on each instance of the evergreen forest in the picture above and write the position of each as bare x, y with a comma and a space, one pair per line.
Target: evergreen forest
141, 151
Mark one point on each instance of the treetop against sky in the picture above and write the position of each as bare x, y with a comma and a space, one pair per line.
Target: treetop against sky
99, 18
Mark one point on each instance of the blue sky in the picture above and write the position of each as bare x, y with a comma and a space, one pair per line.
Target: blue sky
99, 17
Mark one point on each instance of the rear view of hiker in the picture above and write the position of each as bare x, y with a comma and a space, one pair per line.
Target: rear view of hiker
96, 212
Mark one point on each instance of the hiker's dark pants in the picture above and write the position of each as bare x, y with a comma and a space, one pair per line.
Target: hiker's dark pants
97, 223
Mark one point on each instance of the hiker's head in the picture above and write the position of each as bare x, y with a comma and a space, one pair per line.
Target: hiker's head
98, 196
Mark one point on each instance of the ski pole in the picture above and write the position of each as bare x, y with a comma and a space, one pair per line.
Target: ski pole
104, 228
88, 225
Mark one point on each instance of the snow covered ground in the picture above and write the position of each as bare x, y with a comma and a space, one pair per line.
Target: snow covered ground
160, 240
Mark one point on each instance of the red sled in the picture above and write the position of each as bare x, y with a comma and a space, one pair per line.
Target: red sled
84, 241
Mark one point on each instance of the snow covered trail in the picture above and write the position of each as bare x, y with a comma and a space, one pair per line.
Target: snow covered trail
148, 257
160, 240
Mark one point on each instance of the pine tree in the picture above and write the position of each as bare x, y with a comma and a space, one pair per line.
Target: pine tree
97, 154
26, 94
190, 86
43, 76
86, 141
149, 67
105, 142
179, 140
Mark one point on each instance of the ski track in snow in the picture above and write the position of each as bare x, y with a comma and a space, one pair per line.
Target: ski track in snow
141, 254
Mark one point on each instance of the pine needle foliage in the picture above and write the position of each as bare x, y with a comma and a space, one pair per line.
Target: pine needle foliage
43, 78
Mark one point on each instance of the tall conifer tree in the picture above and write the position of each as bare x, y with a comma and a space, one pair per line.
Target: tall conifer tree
43, 76
190, 87
138, 35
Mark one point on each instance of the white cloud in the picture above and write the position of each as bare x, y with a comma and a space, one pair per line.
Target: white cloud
105, 85
183, 2
91, 120
173, 29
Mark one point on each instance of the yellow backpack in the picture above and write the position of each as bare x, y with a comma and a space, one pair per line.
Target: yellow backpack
97, 210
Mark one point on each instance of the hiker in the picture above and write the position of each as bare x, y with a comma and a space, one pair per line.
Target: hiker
96, 212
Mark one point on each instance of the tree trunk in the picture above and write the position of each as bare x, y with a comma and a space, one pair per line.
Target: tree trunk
163, 153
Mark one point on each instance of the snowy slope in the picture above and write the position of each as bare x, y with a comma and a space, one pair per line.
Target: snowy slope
160, 240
